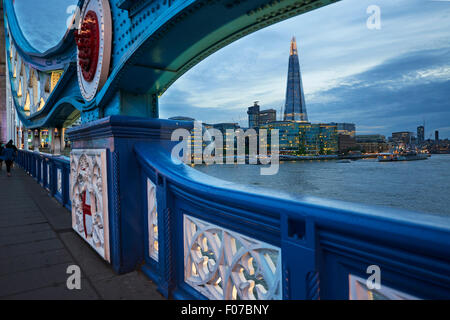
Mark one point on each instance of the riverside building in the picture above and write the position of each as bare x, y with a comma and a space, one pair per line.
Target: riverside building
304, 138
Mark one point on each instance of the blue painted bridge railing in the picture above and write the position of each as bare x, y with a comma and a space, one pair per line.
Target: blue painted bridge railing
203, 238
211, 239
52, 172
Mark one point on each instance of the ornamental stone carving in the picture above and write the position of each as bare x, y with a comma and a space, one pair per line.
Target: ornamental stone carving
88, 192
152, 217
226, 265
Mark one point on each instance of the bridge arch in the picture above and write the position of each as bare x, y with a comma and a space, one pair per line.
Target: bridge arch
153, 44
159, 41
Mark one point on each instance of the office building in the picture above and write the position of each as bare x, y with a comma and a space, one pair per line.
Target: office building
402, 137
304, 138
257, 117
345, 128
346, 143
295, 107
372, 143
420, 134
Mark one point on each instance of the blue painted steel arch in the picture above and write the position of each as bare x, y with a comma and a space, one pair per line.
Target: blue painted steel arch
320, 239
154, 43
65, 103
57, 57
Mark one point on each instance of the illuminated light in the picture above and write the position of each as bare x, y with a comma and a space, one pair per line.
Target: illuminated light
41, 104
19, 91
56, 75
26, 107
234, 293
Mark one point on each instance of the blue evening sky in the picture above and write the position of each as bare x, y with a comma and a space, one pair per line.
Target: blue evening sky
386, 80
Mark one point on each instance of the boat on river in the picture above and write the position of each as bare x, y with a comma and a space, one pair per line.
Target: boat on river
402, 156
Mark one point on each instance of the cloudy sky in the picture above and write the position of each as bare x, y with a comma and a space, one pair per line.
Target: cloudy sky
384, 80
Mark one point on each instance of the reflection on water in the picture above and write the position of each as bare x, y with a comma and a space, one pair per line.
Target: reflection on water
414, 185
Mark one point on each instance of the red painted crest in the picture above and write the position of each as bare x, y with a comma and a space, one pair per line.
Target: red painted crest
88, 42
86, 212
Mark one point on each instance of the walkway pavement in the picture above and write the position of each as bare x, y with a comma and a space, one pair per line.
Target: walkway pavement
37, 245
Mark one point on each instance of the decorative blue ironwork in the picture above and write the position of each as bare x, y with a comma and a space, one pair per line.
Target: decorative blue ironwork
154, 43
319, 239
318, 244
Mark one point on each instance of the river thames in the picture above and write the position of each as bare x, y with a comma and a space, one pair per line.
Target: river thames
422, 186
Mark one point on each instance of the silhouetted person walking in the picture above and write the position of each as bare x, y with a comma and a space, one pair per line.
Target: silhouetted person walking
9, 154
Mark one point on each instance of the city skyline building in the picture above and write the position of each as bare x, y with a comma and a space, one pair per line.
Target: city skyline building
257, 117
420, 134
402, 137
372, 143
345, 128
295, 106
304, 138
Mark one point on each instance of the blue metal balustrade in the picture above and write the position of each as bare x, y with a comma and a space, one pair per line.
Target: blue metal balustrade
51, 171
195, 236
309, 239
318, 239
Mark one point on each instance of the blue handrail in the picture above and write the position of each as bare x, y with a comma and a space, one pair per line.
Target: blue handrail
331, 240
309, 239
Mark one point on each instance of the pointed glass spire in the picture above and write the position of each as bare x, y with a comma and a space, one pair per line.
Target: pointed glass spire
295, 107
293, 47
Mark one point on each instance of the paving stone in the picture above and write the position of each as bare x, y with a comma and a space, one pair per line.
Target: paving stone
25, 237
30, 248
33, 261
133, 285
37, 244
16, 221
90, 262
58, 216
59, 292
32, 228
33, 279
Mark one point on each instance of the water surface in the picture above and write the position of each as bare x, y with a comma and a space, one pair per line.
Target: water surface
422, 186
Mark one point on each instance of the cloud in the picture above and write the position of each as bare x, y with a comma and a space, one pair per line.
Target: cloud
399, 94
383, 80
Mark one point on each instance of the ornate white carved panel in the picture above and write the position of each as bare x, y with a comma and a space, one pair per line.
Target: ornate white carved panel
59, 181
358, 290
89, 195
152, 216
226, 265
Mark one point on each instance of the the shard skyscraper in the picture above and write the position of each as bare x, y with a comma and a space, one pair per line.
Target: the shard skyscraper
295, 107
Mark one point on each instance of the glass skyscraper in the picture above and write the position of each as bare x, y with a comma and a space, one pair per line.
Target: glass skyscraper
295, 107
304, 138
